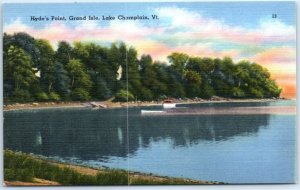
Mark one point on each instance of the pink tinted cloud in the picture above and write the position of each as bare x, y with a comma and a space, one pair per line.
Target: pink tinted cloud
160, 51
280, 55
56, 31
205, 50
240, 35
281, 62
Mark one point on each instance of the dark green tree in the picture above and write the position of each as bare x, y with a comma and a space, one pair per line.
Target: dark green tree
193, 81
46, 65
100, 89
178, 61
84, 71
26, 42
62, 82
63, 53
80, 80
18, 68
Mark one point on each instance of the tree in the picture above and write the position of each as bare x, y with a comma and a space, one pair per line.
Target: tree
116, 58
207, 91
27, 43
100, 89
154, 78
175, 83
224, 82
62, 82
8, 81
63, 53
130, 70
84, 71
102, 73
271, 89
46, 65
124, 96
80, 80
206, 68
193, 82
254, 81
19, 69
178, 61
160, 83
147, 77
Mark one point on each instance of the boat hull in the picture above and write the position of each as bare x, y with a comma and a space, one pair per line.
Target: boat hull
169, 105
151, 112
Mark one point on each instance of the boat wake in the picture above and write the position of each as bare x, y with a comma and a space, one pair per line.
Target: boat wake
223, 111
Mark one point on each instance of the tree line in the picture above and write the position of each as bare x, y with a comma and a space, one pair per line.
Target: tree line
34, 71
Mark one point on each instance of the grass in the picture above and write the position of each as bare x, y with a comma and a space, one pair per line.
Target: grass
25, 168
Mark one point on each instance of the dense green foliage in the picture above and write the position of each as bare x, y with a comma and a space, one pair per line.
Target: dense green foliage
34, 71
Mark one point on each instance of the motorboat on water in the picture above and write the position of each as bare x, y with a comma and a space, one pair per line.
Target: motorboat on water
151, 112
169, 104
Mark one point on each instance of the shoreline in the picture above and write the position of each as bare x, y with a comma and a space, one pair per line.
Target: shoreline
110, 104
134, 178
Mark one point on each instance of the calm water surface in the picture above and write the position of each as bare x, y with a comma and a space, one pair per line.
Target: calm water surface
233, 148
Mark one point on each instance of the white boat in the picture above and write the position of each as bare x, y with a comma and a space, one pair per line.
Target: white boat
168, 104
145, 112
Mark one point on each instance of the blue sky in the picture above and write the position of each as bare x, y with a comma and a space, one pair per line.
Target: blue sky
246, 14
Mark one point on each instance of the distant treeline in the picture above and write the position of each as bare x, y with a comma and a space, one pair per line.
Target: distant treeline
34, 71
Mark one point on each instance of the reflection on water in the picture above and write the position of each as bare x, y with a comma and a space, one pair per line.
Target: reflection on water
83, 133
187, 130
100, 136
102, 133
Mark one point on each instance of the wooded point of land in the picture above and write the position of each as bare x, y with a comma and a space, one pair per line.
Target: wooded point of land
34, 71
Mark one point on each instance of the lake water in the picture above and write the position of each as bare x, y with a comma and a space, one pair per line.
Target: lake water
230, 146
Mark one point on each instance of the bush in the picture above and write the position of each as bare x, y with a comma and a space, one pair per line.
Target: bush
145, 94
112, 178
121, 96
9, 175
256, 93
18, 175
80, 94
54, 96
207, 91
42, 96
21, 96
238, 93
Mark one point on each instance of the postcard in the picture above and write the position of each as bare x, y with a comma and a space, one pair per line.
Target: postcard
162, 93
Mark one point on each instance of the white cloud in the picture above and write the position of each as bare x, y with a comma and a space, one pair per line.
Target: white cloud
275, 27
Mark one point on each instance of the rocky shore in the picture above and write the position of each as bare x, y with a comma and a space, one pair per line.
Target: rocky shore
110, 104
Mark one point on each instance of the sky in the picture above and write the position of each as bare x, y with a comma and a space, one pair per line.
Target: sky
240, 30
